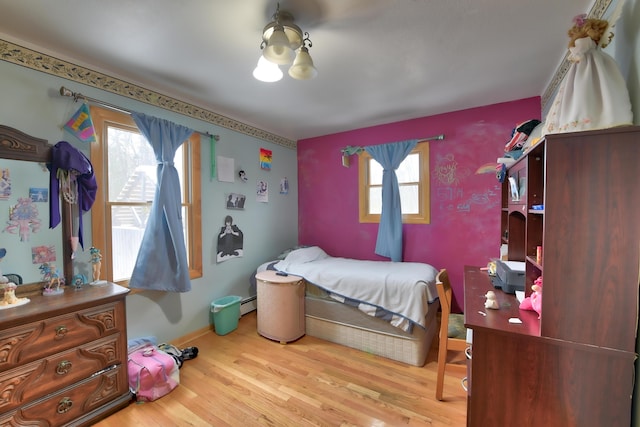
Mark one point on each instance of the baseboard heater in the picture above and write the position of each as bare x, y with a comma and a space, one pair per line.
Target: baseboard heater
248, 304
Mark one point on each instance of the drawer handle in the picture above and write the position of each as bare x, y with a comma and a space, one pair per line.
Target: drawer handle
63, 367
64, 405
61, 331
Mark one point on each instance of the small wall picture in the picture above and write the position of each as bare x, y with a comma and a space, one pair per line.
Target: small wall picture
5, 184
235, 200
42, 254
39, 195
284, 186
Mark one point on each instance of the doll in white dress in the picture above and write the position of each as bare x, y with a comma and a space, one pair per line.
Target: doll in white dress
593, 94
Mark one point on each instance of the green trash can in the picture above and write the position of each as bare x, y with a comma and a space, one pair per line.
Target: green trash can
226, 312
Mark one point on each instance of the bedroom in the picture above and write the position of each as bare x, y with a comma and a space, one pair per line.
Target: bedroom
316, 179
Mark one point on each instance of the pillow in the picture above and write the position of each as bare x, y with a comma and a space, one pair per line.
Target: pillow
301, 256
286, 252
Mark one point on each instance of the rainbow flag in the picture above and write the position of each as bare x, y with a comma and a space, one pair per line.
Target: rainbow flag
265, 159
80, 125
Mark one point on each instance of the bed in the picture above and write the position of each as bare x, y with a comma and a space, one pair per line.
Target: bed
384, 308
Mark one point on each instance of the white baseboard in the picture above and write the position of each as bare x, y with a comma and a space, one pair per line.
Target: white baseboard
248, 305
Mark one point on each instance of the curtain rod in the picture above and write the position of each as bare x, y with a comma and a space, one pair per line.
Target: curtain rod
349, 150
77, 95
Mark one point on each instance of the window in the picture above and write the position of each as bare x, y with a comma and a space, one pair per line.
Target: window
413, 180
125, 168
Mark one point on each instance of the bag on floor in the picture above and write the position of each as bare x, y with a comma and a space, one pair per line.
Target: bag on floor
152, 373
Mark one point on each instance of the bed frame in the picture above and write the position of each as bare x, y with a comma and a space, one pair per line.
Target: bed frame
348, 326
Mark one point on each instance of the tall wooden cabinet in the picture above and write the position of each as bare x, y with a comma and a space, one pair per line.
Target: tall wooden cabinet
63, 358
574, 366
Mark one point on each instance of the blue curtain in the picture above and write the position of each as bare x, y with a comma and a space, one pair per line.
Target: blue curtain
162, 261
389, 241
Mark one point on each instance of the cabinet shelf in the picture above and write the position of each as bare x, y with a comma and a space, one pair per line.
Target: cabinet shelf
535, 263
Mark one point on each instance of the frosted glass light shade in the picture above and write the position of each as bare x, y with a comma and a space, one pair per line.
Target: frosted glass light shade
302, 68
267, 71
278, 48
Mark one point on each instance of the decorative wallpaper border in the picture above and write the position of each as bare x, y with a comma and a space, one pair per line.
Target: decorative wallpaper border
597, 11
47, 64
28, 58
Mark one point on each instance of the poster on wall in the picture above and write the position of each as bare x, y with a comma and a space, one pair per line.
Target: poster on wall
265, 159
230, 241
262, 191
225, 169
235, 200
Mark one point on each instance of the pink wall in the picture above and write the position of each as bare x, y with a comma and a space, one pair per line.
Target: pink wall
465, 204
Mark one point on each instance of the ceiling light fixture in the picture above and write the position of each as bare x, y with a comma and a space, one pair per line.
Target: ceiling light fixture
283, 43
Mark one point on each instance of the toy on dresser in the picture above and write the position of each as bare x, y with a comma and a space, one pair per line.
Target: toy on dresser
534, 301
492, 301
9, 288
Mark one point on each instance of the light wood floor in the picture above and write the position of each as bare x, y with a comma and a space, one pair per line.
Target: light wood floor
244, 379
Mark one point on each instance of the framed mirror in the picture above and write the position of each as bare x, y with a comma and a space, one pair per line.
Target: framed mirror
24, 212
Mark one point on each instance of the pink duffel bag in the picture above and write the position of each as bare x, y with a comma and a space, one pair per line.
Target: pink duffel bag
152, 373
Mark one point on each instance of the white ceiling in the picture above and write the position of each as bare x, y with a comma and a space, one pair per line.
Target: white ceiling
379, 61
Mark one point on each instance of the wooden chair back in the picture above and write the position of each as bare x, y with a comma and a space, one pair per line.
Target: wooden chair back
446, 344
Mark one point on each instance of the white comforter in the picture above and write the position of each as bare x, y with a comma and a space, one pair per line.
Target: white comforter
403, 288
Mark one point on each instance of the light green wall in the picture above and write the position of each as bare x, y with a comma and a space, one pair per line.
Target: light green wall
30, 102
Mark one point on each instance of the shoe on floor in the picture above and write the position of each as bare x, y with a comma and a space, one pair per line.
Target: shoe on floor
189, 353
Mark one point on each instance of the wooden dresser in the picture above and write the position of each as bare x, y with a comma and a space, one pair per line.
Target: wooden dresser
63, 359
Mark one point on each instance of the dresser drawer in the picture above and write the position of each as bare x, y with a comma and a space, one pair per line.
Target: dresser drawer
32, 341
71, 403
36, 379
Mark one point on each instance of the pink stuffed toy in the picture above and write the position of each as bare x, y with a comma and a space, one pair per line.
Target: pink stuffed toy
534, 301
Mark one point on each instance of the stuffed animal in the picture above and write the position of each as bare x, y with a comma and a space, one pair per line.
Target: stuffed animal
534, 301
492, 301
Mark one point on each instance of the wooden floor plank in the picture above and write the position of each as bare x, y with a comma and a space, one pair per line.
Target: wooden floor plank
244, 379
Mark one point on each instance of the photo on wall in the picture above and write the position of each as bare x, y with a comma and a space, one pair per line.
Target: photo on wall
235, 200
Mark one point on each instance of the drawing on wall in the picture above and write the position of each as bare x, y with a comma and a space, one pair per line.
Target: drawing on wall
446, 171
454, 196
5, 184
39, 195
23, 219
42, 254
230, 241
488, 168
262, 191
265, 159
235, 200
284, 186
